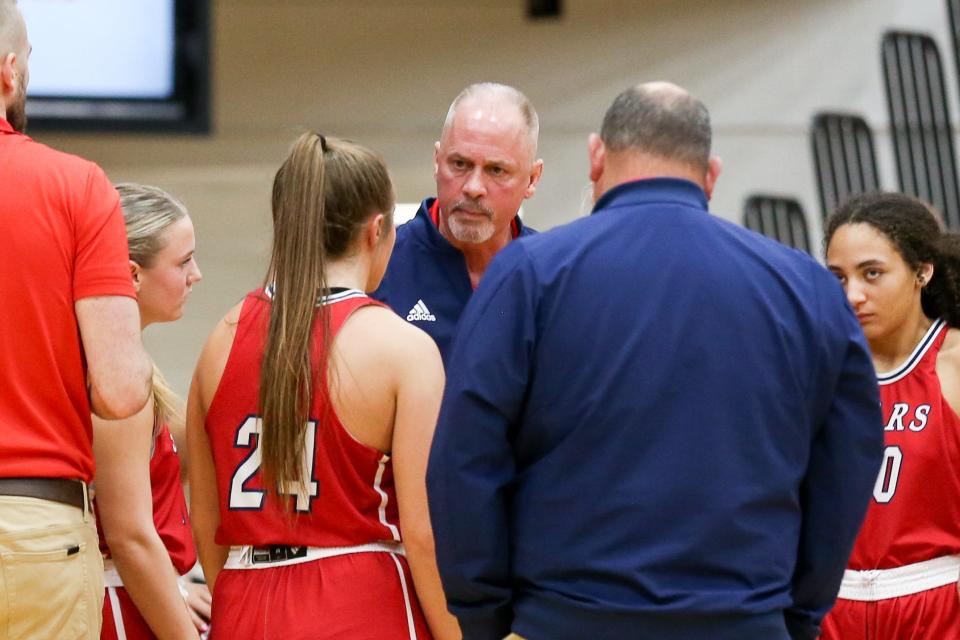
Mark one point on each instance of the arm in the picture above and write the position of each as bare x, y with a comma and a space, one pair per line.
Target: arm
118, 369
204, 509
419, 389
844, 459
471, 467
204, 501
948, 371
125, 507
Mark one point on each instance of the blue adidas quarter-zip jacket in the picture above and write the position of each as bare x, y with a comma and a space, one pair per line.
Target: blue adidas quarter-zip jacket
657, 425
427, 280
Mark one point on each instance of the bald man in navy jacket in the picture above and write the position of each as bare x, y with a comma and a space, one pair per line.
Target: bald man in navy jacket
657, 424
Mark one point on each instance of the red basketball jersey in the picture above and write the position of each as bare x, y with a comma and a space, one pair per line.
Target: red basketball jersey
349, 498
169, 505
915, 511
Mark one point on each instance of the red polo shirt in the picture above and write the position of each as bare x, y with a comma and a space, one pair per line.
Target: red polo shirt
62, 238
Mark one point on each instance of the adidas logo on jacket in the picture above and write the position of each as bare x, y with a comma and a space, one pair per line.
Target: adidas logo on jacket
420, 312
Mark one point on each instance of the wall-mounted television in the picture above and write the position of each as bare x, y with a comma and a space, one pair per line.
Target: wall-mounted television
104, 65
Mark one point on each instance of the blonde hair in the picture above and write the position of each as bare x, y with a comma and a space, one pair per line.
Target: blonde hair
148, 212
322, 195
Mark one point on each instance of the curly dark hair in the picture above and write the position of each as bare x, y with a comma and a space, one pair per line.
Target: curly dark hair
916, 232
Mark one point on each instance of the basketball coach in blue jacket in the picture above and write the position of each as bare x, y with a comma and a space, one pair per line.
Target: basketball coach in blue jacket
485, 165
657, 424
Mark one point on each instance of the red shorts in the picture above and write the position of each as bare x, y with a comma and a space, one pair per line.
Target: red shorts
933, 614
360, 596
122, 619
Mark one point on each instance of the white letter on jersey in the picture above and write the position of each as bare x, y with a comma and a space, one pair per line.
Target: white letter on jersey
896, 418
921, 418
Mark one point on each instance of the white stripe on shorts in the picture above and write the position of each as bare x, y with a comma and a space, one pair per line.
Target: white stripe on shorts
117, 613
411, 628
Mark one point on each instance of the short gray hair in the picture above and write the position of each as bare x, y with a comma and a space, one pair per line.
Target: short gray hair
522, 102
669, 124
9, 26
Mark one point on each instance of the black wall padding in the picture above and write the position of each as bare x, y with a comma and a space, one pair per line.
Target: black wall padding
843, 157
779, 218
953, 8
920, 121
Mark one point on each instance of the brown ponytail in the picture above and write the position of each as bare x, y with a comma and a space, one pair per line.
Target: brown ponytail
322, 195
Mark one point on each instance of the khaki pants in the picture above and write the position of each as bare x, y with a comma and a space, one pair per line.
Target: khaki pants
51, 571
513, 636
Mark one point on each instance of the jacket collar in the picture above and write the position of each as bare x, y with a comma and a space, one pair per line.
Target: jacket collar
429, 232
648, 190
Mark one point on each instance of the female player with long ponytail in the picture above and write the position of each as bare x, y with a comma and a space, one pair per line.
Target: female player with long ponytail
309, 423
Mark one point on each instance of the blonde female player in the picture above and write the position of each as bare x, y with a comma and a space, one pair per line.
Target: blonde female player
140, 507
902, 278
309, 422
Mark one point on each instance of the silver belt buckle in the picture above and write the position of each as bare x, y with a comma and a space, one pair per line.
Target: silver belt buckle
260, 555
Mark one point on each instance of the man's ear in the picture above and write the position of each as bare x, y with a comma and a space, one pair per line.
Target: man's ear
714, 167
436, 158
9, 76
135, 275
597, 155
535, 175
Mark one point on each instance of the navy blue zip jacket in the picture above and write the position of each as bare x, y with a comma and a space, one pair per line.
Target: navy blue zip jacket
427, 280
656, 425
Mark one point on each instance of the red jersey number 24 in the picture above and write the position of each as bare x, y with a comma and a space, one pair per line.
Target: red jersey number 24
242, 498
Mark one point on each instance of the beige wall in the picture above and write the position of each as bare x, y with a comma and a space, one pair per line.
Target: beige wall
383, 72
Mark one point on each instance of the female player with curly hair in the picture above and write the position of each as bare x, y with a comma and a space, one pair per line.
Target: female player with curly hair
901, 273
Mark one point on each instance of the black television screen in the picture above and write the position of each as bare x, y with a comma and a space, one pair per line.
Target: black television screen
108, 65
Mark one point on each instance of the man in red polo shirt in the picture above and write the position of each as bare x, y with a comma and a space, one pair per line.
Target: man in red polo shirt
69, 345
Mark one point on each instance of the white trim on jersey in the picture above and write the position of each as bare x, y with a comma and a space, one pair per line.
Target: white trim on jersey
882, 584
336, 297
117, 614
383, 498
908, 365
242, 557
411, 628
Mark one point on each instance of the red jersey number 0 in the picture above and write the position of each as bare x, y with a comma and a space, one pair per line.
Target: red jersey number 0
889, 474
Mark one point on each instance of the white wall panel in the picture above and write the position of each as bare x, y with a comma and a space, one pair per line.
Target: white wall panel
383, 72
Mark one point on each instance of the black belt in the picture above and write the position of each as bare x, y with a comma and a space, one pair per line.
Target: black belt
276, 553
59, 490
